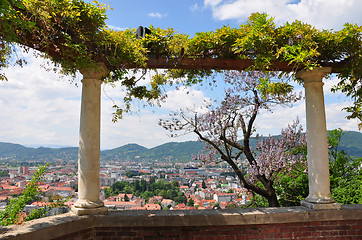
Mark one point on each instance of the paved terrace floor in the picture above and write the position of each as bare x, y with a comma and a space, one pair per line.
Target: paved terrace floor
257, 223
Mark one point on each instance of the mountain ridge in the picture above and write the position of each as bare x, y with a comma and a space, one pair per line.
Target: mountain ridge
171, 151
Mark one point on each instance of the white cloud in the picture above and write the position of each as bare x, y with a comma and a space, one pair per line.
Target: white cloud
183, 98
157, 15
336, 118
212, 3
37, 107
116, 28
142, 126
324, 14
194, 7
328, 84
271, 123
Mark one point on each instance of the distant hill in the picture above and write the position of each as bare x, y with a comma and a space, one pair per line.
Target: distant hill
10, 148
351, 143
41, 154
126, 152
172, 151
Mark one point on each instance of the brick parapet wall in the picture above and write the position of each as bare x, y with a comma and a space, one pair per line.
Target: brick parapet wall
331, 230
268, 223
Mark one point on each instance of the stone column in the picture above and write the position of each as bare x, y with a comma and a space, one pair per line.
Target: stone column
317, 145
89, 144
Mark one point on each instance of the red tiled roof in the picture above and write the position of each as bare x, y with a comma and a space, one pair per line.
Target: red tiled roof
119, 203
138, 208
41, 204
152, 207
69, 189
3, 198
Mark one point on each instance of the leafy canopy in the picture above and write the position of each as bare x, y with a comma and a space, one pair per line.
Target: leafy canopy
73, 35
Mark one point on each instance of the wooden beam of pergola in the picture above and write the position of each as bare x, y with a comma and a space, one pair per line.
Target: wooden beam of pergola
220, 64
186, 63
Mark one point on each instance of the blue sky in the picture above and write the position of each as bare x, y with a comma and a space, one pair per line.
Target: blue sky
39, 108
184, 16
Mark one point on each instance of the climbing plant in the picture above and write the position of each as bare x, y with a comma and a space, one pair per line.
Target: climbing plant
73, 35
12, 211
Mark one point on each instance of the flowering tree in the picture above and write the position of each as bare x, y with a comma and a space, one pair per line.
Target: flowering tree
283, 161
276, 154
228, 127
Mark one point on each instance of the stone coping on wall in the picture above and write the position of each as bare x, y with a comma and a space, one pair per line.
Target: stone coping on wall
61, 225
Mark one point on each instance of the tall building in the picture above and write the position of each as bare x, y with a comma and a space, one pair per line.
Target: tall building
26, 170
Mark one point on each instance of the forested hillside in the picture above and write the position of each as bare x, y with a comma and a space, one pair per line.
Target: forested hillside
172, 151
352, 143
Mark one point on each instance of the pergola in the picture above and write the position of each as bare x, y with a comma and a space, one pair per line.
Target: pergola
89, 140
79, 39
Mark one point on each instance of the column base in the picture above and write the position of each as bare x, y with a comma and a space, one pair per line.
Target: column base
321, 199
321, 206
89, 211
87, 207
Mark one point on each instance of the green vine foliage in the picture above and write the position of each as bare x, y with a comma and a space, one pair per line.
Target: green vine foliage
41, 212
345, 172
73, 34
11, 213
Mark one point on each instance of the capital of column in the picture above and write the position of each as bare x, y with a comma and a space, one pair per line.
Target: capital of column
97, 71
315, 75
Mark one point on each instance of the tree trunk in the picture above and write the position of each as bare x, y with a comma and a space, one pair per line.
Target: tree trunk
268, 193
273, 200
272, 196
